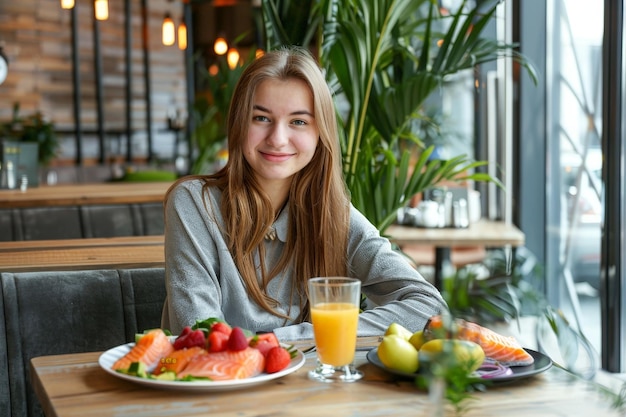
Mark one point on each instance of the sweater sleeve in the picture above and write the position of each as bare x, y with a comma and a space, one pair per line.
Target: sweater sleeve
191, 257
395, 290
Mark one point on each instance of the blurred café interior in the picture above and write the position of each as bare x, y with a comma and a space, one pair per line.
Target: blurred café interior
117, 83
116, 79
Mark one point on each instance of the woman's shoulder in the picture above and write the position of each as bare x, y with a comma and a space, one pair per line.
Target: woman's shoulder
192, 187
360, 225
192, 183
359, 218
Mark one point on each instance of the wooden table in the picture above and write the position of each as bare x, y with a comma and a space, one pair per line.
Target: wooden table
82, 194
82, 254
483, 232
75, 386
488, 233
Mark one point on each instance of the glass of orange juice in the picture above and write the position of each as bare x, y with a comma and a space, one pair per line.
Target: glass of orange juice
334, 303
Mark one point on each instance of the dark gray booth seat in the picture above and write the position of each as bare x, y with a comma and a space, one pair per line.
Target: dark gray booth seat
86, 221
47, 313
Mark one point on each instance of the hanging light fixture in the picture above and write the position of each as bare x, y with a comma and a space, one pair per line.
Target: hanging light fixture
232, 58
67, 4
168, 30
182, 36
102, 9
220, 46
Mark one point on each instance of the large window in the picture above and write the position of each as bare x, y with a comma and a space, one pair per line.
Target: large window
574, 97
569, 196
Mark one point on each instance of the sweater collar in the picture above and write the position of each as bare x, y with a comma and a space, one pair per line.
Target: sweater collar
281, 224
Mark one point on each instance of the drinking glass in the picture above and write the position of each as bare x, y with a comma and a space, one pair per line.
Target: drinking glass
334, 303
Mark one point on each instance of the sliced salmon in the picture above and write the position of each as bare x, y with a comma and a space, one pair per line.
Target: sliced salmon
221, 366
503, 349
178, 359
149, 349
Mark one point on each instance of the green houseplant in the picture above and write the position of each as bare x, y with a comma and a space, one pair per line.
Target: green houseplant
384, 58
209, 114
33, 128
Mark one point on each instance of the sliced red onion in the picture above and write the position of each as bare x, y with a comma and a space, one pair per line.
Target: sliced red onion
493, 370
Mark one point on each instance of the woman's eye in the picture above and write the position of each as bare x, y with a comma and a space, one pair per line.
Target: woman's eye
259, 118
299, 122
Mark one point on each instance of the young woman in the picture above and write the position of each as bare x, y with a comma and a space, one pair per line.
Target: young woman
241, 244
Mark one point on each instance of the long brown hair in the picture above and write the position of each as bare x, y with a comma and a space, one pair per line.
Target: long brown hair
318, 202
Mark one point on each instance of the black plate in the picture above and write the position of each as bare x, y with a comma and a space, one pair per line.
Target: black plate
542, 363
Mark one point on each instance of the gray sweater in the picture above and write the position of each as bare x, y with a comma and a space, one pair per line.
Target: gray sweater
202, 280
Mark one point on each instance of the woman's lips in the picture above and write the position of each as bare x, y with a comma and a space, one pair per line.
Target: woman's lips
276, 157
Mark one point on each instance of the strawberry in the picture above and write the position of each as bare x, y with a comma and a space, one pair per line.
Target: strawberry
189, 339
222, 327
180, 343
264, 347
217, 341
278, 358
185, 331
237, 340
264, 342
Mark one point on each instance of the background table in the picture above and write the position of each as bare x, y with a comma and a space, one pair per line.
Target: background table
488, 233
82, 254
74, 385
82, 194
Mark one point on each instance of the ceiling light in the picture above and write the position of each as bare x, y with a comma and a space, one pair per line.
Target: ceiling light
102, 9
168, 31
182, 36
232, 58
220, 46
67, 4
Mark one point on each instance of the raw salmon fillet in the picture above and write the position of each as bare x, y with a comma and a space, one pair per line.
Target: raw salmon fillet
503, 349
177, 360
149, 349
221, 366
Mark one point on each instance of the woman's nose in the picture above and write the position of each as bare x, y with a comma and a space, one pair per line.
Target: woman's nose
278, 135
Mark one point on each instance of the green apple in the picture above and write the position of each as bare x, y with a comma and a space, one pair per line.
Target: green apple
463, 353
417, 339
400, 330
397, 353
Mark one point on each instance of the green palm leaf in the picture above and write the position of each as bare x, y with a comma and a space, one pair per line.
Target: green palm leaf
298, 13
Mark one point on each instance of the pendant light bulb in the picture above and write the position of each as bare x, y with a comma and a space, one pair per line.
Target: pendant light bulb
220, 46
232, 58
102, 9
182, 36
168, 31
67, 4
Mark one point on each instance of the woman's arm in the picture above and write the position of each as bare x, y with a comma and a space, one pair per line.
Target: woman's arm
397, 291
191, 254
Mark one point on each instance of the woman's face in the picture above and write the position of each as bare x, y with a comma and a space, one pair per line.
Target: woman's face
283, 134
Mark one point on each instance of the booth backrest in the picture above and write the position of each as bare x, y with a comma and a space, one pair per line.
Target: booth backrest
47, 313
86, 221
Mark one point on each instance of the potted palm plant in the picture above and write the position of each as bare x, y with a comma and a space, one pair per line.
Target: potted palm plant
384, 58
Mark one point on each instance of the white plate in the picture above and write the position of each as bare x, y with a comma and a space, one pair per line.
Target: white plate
108, 358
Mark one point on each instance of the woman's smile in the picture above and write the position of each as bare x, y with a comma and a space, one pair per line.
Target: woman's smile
276, 156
